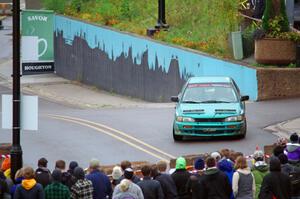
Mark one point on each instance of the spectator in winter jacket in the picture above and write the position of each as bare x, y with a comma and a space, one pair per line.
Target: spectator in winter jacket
18, 180
167, 184
259, 170
226, 166
116, 175
29, 188
128, 186
67, 178
286, 167
243, 183
42, 173
275, 184
214, 183
292, 149
124, 165
101, 183
151, 188
83, 188
193, 184
3, 185
180, 177
72, 166
56, 190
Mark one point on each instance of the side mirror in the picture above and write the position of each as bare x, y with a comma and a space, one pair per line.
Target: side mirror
245, 98
174, 99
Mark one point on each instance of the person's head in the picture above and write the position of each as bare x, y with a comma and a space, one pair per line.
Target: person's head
258, 156
162, 166
146, 170
60, 164
116, 173
278, 150
94, 164
180, 163
42, 162
199, 164
294, 138
125, 164
28, 173
79, 173
73, 165
282, 141
19, 174
241, 163
56, 175
124, 185
275, 164
210, 162
225, 165
283, 158
225, 153
154, 170
128, 173
216, 155
5, 164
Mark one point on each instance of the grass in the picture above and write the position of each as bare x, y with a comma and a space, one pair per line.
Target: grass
198, 24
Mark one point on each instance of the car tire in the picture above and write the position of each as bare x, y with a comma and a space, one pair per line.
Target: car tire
177, 137
243, 135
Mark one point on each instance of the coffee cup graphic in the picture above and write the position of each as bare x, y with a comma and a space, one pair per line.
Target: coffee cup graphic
33, 48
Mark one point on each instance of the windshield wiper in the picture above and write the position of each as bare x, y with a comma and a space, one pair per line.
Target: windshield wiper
214, 101
191, 102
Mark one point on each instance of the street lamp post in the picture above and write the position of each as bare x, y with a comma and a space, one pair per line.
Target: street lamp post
161, 22
16, 151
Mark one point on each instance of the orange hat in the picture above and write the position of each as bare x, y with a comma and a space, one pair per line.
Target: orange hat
5, 164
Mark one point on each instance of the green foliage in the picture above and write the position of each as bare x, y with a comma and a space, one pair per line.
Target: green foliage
199, 24
56, 5
280, 20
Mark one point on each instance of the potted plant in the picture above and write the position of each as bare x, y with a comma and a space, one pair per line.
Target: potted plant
274, 42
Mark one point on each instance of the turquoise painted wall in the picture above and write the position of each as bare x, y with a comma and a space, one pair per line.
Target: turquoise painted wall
115, 43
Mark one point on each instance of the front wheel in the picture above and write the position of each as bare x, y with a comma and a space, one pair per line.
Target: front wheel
244, 131
177, 137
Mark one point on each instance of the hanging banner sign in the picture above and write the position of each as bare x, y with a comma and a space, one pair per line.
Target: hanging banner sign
37, 42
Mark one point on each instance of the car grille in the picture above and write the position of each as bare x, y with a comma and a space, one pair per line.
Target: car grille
206, 132
209, 119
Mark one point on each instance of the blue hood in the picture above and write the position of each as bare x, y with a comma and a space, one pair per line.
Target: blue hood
225, 165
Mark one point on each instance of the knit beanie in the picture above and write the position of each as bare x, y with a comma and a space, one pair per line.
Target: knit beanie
128, 173
180, 163
294, 138
73, 165
199, 164
116, 173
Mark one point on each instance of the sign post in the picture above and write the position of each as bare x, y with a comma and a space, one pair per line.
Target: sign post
37, 42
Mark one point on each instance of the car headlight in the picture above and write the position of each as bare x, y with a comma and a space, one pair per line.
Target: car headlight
184, 119
234, 118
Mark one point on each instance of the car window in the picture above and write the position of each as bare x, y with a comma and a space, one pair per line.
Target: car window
215, 92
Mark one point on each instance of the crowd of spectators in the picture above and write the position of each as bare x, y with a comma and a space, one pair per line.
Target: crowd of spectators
220, 175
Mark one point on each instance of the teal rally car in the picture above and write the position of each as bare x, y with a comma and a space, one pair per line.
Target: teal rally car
209, 107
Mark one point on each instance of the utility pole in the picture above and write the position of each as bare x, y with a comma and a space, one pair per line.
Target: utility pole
16, 151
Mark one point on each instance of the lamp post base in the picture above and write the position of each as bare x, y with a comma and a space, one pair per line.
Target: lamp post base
16, 159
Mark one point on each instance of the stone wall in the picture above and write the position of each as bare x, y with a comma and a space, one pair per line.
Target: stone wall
276, 83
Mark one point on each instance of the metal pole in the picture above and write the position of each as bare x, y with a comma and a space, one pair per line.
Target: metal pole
161, 21
16, 151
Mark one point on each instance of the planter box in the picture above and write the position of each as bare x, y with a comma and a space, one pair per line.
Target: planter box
274, 51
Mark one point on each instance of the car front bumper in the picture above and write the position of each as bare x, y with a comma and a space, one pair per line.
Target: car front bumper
209, 129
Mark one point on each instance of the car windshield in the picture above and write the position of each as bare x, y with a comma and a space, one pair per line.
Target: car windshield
209, 93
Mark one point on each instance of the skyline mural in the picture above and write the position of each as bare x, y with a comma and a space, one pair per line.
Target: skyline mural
159, 57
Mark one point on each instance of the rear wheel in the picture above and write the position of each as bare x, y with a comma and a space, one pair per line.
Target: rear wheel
177, 137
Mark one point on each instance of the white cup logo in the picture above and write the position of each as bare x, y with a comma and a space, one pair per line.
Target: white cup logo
45, 46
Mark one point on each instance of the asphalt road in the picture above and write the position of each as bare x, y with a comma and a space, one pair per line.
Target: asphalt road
136, 134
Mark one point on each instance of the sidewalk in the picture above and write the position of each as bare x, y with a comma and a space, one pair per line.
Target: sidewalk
286, 128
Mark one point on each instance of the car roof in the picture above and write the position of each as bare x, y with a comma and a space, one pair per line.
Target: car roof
209, 79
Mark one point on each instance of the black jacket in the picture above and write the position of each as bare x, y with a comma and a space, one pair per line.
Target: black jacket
193, 185
68, 179
215, 185
168, 186
43, 176
180, 177
151, 188
275, 184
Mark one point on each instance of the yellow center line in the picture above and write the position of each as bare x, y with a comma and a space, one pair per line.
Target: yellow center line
112, 135
119, 132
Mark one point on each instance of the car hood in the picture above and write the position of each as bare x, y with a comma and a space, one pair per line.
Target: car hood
210, 110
